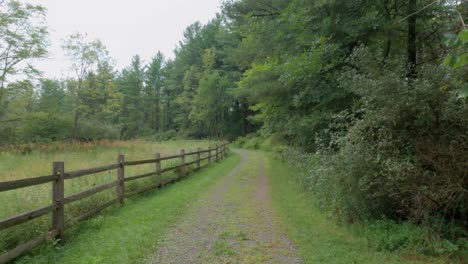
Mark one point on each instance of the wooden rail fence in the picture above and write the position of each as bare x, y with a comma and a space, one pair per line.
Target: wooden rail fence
59, 201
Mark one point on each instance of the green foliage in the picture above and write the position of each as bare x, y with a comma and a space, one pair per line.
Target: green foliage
458, 59
91, 130
386, 235
23, 36
318, 238
369, 90
250, 141
164, 136
43, 127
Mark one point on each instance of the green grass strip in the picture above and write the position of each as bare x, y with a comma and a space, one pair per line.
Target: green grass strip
319, 238
131, 234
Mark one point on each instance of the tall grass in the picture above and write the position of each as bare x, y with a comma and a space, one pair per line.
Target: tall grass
38, 162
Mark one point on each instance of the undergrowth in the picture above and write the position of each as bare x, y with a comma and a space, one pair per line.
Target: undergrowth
321, 238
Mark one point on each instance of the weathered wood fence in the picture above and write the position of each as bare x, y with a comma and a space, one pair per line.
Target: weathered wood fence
59, 201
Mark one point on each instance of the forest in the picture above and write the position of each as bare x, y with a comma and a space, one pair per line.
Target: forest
368, 97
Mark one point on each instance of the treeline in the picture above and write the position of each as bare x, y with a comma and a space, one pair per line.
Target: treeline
374, 90
191, 95
185, 97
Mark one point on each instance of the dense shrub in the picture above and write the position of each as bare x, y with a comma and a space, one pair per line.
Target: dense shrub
91, 130
405, 154
43, 128
250, 141
400, 154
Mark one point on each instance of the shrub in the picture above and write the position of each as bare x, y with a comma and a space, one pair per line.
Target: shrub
91, 130
42, 127
405, 157
399, 154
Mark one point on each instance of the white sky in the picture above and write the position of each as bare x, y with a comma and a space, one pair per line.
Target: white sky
126, 27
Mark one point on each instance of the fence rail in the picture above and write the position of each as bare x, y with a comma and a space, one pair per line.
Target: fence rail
59, 201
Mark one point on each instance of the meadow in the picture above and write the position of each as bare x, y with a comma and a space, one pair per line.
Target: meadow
37, 161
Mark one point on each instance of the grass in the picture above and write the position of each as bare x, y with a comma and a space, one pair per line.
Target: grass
130, 234
17, 165
319, 238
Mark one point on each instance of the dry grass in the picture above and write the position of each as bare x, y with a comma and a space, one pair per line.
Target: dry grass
38, 162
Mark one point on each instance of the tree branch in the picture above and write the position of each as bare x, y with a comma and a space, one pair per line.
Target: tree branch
415, 13
461, 19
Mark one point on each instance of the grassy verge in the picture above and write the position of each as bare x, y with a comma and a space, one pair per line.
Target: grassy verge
14, 165
318, 238
130, 234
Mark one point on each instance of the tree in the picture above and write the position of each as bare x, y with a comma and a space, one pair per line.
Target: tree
51, 96
101, 99
153, 90
84, 56
23, 36
130, 83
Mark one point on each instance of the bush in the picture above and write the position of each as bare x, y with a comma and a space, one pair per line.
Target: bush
92, 130
250, 141
42, 127
164, 136
387, 235
400, 154
405, 156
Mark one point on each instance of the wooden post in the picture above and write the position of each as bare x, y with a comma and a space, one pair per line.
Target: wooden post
121, 179
158, 169
182, 164
198, 158
209, 155
217, 152
223, 151
58, 190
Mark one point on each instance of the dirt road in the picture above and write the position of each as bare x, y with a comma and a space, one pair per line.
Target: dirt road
232, 223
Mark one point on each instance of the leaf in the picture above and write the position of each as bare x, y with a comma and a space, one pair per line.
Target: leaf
463, 92
451, 39
461, 61
450, 60
463, 36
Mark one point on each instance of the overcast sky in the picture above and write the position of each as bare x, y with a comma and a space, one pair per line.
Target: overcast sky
126, 27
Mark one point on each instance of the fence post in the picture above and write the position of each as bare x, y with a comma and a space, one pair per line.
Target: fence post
217, 152
223, 151
58, 190
158, 169
198, 158
121, 179
182, 163
209, 155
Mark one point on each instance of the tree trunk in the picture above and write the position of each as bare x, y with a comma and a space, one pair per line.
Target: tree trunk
157, 114
75, 125
412, 48
77, 111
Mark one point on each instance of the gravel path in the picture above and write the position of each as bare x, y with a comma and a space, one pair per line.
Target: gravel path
232, 223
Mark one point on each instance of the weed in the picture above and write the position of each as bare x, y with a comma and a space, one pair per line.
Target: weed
222, 248
243, 236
